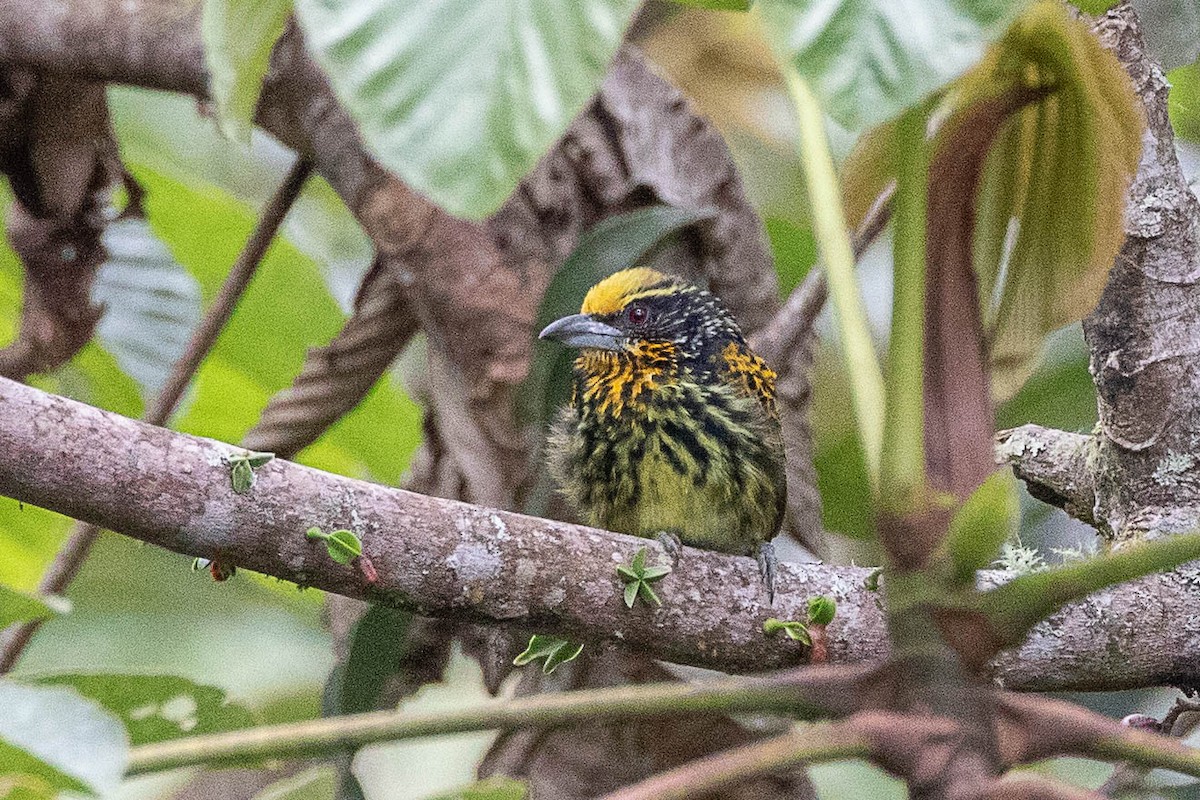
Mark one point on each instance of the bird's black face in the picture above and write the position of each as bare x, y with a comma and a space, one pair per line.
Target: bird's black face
690, 320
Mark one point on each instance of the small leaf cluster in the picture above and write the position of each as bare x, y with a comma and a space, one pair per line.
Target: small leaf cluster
556, 651
638, 577
821, 611
342, 545
241, 469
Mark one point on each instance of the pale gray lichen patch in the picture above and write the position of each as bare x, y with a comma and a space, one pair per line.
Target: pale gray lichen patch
472, 561
1172, 468
1018, 445
500, 526
554, 597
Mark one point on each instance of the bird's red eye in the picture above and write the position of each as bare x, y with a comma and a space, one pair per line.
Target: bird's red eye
638, 314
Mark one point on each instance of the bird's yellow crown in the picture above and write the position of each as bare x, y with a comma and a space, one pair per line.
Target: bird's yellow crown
615, 292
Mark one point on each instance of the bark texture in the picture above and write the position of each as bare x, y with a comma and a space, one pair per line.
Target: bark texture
451, 559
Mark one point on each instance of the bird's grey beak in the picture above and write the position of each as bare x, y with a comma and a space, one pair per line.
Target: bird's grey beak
581, 330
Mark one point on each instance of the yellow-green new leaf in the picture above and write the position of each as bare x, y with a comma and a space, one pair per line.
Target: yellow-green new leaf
1050, 202
1052, 196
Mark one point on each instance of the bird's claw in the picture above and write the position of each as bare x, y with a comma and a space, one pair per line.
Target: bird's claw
767, 564
671, 543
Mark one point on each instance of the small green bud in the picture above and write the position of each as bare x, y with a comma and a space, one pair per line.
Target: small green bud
242, 476
821, 610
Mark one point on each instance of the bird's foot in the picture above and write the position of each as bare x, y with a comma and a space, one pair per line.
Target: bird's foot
671, 543
767, 565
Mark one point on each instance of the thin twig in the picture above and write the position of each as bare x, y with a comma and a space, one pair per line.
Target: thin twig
1128, 775
67, 562
799, 312
799, 693
812, 744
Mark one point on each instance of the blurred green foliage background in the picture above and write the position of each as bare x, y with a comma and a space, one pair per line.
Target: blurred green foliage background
139, 609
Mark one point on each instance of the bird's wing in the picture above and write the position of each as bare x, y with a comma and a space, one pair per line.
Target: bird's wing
751, 376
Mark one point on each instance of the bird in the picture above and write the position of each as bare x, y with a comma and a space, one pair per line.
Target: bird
672, 431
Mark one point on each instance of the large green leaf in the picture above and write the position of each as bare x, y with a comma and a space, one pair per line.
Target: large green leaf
238, 38
166, 133
458, 97
152, 304
867, 60
794, 249
94, 376
155, 708
379, 644
57, 737
497, 787
20, 607
1183, 102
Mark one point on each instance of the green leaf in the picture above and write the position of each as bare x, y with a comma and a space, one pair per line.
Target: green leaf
318, 783
53, 735
286, 310
556, 651
156, 708
238, 38
647, 593
609, 246
631, 592
988, 518
257, 460
1015, 607
795, 630
1057, 176
241, 475
794, 249
343, 546
1183, 102
637, 578
29, 538
639, 562
718, 5
152, 304
1094, 7
496, 787
461, 98
821, 609
19, 607
561, 655
379, 650
868, 60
